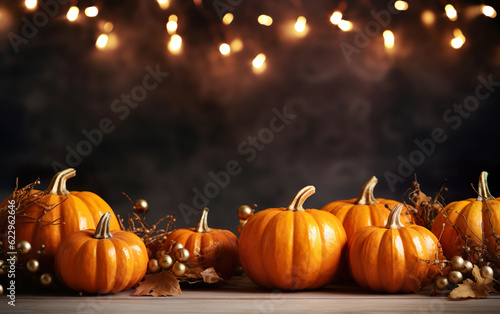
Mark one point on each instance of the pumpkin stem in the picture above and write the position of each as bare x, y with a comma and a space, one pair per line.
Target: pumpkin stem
483, 189
102, 229
58, 184
202, 223
300, 198
366, 196
394, 220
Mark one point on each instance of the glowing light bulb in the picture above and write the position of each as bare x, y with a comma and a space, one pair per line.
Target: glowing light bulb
175, 44
108, 27
451, 13
265, 20
164, 4
489, 11
72, 14
300, 25
459, 39
236, 45
336, 18
388, 39
345, 25
401, 5
228, 18
172, 24
30, 4
101, 41
259, 60
428, 18
224, 49
91, 11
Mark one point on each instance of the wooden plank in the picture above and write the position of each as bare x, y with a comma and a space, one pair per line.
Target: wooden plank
242, 296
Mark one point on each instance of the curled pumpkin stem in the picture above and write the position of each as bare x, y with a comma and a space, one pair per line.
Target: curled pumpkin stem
366, 196
300, 198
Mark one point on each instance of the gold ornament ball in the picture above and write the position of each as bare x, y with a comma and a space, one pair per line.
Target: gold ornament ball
457, 263
177, 246
2, 267
486, 272
182, 255
160, 253
141, 206
441, 283
442, 265
32, 265
244, 212
1, 289
178, 269
24, 247
455, 277
166, 261
153, 265
468, 266
46, 279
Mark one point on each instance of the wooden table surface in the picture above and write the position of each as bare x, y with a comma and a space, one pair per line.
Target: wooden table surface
242, 296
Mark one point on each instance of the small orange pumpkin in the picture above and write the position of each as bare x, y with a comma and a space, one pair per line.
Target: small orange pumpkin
208, 247
364, 211
74, 211
392, 258
475, 218
101, 261
292, 248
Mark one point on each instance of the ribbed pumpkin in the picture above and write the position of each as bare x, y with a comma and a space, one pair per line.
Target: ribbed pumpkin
292, 248
364, 211
76, 211
208, 247
391, 258
475, 221
101, 261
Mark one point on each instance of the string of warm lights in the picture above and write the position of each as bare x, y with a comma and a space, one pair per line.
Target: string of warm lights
107, 40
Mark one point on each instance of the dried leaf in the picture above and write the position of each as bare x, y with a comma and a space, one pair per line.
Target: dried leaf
194, 273
160, 284
210, 275
479, 289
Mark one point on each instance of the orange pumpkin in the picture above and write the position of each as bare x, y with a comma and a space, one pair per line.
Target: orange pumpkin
364, 211
475, 218
292, 248
392, 258
208, 247
73, 211
100, 260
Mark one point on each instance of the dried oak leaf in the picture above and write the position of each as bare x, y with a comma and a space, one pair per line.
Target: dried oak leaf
160, 284
470, 289
210, 275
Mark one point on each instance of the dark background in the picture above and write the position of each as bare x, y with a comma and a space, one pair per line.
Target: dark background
353, 119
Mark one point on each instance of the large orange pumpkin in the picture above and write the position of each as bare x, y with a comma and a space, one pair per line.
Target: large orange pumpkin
292, 248
73, 211
393, 258
100, 260
364, 211
475, 219
208, 247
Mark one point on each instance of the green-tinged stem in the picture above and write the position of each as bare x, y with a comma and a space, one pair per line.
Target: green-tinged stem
482, 188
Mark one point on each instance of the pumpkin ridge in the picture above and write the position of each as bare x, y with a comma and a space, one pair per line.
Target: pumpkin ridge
408, 237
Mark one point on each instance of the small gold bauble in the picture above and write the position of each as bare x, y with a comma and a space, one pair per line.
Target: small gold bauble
441, 283
182, 255
455, 277
24, 247
153, 265
160, 253
166, 261
1, 289
141, 206
177, 246
480, 260
46, 279
486, 272
2, 267
468, 266
442, 265
457, 263
178, 269
244, 212
32, 265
